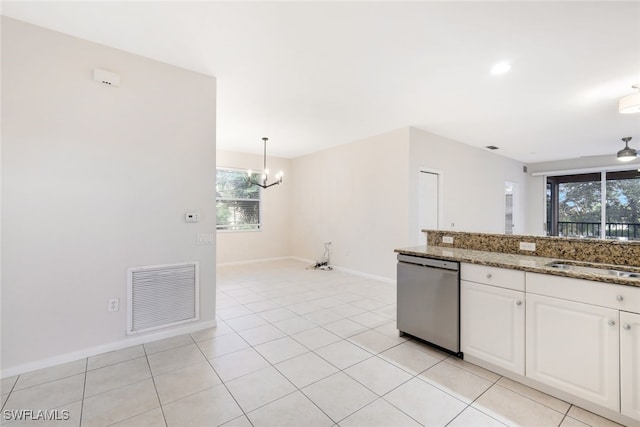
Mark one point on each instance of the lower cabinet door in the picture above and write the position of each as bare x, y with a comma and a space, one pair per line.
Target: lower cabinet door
492, 325
630, 364
574, 347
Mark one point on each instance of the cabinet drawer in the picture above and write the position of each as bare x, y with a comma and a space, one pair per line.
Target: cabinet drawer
620, 297
501, 277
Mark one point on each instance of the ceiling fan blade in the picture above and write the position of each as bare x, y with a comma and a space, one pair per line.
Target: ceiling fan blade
598, 155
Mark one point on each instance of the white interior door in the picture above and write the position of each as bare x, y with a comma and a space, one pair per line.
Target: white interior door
428, 203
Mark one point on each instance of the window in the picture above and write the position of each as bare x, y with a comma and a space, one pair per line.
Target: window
237, 201
623, 205
581, 206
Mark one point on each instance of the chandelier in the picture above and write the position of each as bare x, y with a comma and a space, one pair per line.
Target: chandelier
264, 177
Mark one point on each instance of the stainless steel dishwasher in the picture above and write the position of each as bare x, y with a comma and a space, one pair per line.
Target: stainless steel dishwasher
429, 301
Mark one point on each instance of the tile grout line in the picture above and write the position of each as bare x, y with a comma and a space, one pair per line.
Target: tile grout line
533, 400
493, 384
564, 417
341, 338
155, 387
84, 390
10, 391
417, 377
223, 383
297, 389
287, 335
354, 379
13, 389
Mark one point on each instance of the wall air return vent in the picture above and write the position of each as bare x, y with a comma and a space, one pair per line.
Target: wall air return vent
162, 295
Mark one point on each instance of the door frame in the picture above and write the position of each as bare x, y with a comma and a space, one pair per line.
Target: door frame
440, 209
516, 227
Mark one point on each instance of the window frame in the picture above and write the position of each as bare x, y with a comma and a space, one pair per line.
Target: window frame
551, 193
257, 227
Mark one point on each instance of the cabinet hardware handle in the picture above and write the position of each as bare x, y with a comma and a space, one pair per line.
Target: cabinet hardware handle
489, 275
627, 326
612, 322
620, 298
518, 302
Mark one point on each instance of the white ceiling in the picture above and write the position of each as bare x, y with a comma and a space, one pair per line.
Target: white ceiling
312, 75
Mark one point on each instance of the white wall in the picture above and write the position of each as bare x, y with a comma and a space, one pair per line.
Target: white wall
95, 179
356, 196
363, 196
473, 182
273, 239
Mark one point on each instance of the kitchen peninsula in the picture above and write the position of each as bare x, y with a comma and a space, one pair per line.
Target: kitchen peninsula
562, 316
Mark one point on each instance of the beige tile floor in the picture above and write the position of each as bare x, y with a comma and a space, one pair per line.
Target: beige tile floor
293, 347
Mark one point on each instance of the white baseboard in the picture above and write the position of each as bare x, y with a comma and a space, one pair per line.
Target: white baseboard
94, 351
305, 260
312, 262
251, 261
367, 275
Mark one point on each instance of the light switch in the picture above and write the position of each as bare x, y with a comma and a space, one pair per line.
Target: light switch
206, 239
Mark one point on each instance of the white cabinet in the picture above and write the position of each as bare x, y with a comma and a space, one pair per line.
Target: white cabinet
574, 347
492, 325
492, 315
630, 364
577, 336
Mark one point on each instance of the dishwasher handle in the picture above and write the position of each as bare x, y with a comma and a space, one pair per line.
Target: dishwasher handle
429, 262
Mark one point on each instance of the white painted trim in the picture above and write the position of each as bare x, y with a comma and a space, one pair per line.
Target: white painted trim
603, 205
100, 349
350, 271
311, 262
251, 261
612, 168
305, 260
440, 200
516, 220
367, 275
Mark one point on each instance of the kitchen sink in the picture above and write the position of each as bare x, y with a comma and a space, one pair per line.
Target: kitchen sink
597, 270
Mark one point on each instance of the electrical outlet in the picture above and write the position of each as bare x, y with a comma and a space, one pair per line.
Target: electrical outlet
192, 216
527, 246
447, 239
114, 304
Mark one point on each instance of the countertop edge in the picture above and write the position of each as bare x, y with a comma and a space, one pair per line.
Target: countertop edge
532, 264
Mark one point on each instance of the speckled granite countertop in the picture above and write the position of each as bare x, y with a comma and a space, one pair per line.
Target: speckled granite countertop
534, 264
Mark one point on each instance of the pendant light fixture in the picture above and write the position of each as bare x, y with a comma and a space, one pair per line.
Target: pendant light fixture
627, 154
630, 103
264, 177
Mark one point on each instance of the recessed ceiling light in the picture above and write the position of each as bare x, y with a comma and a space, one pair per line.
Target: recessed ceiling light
501, 68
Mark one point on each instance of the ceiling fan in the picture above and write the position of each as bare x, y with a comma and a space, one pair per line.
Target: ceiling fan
625, 155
